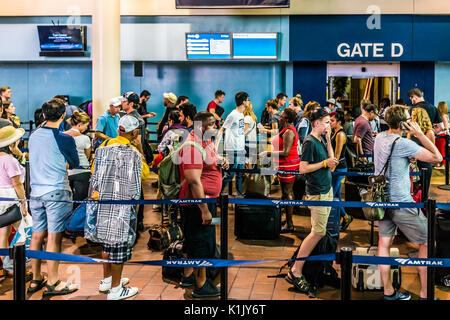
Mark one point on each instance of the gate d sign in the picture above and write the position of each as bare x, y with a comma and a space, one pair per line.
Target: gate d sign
368, 50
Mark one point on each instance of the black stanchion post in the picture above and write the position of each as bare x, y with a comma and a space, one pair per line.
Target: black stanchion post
425, 182
31, 126
224, 246
19, 271
27, 179
346, 261
430, 205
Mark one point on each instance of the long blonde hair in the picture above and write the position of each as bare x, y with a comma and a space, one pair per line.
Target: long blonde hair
420, 116
443, 108
248, 111
310, 106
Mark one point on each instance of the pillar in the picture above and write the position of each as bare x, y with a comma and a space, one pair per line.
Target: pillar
105, 55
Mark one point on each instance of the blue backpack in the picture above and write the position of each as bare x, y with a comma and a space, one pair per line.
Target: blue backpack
77, 220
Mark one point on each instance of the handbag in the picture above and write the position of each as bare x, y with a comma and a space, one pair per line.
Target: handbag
11, 215
377, 191
162, 237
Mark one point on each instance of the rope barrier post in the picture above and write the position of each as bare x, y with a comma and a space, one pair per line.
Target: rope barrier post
27, 179
31, 125
446, 186
224, 246
430, 204
425, 182
19, 271
346, 261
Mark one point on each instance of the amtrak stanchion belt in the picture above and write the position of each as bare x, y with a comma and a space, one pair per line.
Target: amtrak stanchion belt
443, 206
4, 252
349, 204
429, 262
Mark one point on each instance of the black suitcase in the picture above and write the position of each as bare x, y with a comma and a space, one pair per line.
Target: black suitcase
442, 275
351, 190
257, 222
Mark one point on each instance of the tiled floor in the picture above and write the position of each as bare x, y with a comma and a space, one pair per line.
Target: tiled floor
245, 282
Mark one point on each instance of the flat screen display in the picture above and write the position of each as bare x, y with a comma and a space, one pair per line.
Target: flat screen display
255, 45
61, 38
232, 4
208, 45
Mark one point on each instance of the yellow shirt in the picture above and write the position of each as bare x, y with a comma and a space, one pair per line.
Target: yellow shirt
145, 172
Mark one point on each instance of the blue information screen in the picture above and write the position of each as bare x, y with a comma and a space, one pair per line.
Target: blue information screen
208, 45
60, 38
255, 45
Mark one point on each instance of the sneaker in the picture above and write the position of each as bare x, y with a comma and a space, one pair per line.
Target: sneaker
157, 207
346, 220
122, 293
187, 281
398, 296
106, 285
208, 290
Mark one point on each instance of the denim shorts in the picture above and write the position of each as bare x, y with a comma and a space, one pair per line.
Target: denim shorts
410, 221
49, 215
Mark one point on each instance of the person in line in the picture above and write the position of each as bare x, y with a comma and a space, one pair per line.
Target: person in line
330, 105
316, 161
108, 121
286, 156
296, 104
69, 111
219, 97
385, 103
175, 128
79, 177
12, 177
5, 93
251, 136
362, 131
169, 103
411, 222
417, 99
142, 110
234, 145
266, 118
126, 171
180, 101
129, 105
50, 152
440, 143
420, 116
304, 127
339, 143
203, 178
274, 113
9, 113
187, 114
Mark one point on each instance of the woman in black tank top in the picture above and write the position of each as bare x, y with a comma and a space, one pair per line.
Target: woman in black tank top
339, 143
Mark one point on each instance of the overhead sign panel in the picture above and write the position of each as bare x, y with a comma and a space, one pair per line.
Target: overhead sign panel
204, 4
208, 45
255, 45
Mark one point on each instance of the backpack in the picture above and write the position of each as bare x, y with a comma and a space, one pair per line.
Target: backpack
174, 251
84, 107
169, 174
76, 222
317, 273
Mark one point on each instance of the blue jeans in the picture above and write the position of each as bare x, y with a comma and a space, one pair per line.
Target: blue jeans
336, 182
237, 161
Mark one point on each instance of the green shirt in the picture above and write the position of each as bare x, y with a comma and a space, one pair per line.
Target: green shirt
315, 151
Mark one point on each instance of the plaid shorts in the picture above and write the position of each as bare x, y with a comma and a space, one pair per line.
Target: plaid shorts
118, 253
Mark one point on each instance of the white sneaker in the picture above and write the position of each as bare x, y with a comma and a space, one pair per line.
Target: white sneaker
122, 293
106, 286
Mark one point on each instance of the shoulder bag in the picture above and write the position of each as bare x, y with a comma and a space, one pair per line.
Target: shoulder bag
377, 191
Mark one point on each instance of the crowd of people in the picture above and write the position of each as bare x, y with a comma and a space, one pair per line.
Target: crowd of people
111, 161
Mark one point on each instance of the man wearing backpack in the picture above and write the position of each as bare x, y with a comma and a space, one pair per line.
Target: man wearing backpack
201, 177
411, 222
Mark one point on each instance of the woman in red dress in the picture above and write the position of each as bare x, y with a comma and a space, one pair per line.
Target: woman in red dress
286, 156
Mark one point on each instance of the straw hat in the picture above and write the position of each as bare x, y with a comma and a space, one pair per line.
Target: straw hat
9, 135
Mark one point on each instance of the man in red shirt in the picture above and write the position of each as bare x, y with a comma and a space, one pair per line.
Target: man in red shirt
200, 170
219, 97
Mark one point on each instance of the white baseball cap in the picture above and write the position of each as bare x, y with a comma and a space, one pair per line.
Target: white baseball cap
116, 102
128, 123
170, 96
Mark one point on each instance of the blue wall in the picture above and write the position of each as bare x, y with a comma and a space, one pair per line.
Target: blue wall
310, 80
417, 75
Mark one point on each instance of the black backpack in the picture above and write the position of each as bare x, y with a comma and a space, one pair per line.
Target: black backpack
84, 106
317, 273
174, 251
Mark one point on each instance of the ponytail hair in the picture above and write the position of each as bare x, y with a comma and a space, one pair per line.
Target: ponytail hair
78, 117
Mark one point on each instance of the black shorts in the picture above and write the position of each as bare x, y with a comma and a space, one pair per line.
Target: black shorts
200, 240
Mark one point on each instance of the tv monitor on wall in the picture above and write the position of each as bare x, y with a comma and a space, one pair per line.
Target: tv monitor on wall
55, 40
254, 45
208, 45
245, 4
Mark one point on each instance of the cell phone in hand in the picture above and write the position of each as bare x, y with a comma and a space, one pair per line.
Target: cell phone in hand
215, 221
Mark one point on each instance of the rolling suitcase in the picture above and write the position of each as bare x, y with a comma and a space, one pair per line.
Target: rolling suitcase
257, 222
367, 277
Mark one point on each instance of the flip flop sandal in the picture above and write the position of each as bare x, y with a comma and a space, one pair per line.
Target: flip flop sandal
3, 274
50, 292
39, 285
299, 283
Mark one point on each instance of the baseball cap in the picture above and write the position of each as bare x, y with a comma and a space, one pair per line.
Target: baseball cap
170, 96
128, 123
318, 113
132, 97
116, 102
332, 101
